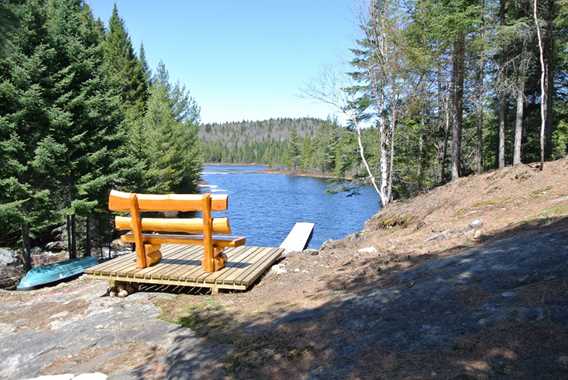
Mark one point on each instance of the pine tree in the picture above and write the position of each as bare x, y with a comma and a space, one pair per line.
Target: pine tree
25, 204
293, 153
144, 63
124, 69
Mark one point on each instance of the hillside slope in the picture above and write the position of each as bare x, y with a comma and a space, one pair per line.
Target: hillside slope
467, 281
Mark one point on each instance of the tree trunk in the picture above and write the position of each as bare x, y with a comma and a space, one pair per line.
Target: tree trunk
519, 123
364, 159
443, 127
420, 173
384, 165
87, 237
543, 84
480, 96
458, 82
391, 150
501, 148
69, 238
549, 62
502, 101
446, 141
26, 249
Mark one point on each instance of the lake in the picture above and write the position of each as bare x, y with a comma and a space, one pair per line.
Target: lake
264, 207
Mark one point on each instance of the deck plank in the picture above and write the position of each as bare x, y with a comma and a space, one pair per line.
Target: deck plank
238, 263
268, 256
181, 266
250, 277
171, 254
233, 260
102, 266
170, 263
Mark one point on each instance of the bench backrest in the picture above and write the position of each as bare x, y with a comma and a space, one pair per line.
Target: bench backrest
137, 203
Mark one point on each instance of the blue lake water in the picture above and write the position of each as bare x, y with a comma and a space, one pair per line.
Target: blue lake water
264, 207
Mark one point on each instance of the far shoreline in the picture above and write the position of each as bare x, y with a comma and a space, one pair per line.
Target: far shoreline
281, 170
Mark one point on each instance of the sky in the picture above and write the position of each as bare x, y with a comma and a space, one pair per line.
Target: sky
243, 60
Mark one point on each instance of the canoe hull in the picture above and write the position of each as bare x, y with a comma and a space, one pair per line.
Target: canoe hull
54, 273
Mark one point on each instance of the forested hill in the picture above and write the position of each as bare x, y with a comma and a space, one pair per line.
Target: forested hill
264, 141
305, 144
258, 131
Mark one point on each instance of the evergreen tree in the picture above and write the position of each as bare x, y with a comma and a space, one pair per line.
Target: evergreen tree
124, 69
144, 63
293, 153
169, 130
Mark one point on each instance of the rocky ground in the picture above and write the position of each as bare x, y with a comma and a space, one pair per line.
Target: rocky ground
467, 281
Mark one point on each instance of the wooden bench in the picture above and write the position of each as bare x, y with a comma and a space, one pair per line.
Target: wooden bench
149, 233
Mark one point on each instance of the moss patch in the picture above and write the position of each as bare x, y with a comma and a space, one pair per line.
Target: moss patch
491, 203
558, 210
388, 221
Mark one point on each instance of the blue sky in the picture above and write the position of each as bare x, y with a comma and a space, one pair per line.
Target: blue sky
243, 59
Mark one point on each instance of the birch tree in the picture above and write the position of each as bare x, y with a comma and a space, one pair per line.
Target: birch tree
543, 84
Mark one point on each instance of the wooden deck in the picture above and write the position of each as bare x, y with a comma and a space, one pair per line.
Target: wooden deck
181, 266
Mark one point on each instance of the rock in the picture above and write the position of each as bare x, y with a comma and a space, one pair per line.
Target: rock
331, 244
286, 254
476, 224
60, 232
6, 328
369, 249
312, 252
91, 376
55, 246
122, 293
67, 376
118, 244
8, 256
70, 376
278, 269
10, 268
440, 236
35, 251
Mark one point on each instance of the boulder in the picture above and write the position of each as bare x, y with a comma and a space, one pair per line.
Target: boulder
476, 224
55, 246
369, 249
312, 252
36, 251
279, 269
8, 256
10, 268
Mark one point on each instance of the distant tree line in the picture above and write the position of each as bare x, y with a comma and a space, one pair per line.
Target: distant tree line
263, 141
303, 145
81, 113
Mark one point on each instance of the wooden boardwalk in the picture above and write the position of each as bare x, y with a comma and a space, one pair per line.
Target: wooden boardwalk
181, 266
